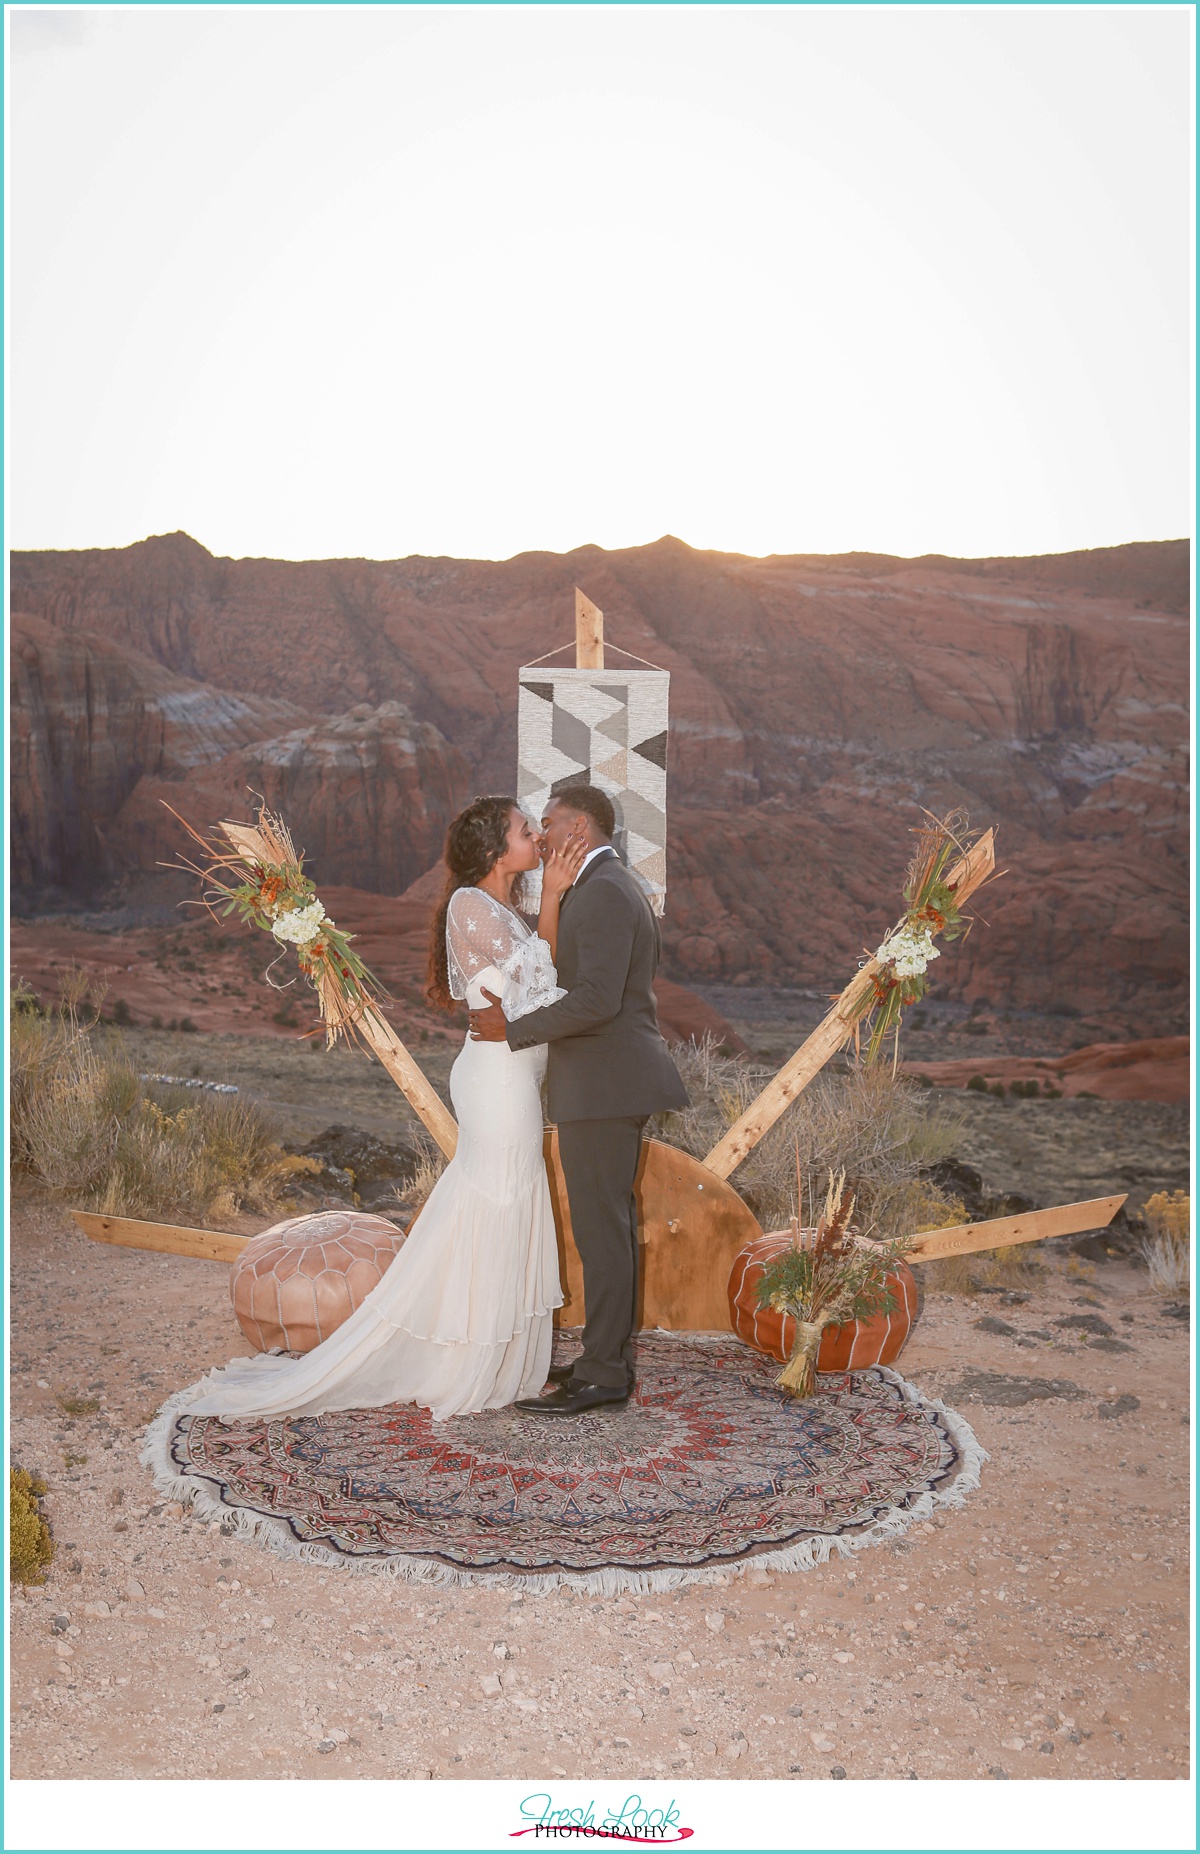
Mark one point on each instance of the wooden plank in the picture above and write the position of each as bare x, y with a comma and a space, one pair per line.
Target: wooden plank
589, 633
420, 1093
165, 1238
835, 1029
1003, 1232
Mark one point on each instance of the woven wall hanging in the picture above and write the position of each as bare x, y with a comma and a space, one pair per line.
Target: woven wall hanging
605, 727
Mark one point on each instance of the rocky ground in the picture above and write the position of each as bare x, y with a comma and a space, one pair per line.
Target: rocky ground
1064, 1152
1048, 1151
1040, 1631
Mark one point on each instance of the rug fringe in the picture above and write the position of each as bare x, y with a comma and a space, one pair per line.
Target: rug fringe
801, 1555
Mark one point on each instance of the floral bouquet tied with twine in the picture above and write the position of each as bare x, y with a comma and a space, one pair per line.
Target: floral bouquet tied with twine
904, 957
261, 879
827, 1277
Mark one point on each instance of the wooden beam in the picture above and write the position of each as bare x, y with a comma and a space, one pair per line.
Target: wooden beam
1003, 1232
420, 1094
836, 1028
589, 633
166, 1238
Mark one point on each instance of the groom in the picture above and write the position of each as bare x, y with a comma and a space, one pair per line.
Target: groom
608, 1071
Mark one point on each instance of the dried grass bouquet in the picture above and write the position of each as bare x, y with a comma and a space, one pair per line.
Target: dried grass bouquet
827, 1277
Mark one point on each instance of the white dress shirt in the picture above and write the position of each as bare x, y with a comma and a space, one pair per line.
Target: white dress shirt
600, 850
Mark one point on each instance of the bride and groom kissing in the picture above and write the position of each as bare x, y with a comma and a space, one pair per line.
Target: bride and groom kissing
463, 1318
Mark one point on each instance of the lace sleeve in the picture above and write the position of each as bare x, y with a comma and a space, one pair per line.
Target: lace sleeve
533, 979
481, 933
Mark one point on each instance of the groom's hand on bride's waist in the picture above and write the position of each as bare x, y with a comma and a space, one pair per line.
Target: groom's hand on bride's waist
488, 1023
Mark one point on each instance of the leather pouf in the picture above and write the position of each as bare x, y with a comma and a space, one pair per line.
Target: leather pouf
295, 1283
874, 1341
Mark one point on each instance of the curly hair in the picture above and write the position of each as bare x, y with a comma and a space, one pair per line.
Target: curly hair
475, 842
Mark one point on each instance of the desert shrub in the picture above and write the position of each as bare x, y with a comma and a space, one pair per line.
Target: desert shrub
1010, 1267
1169, 1214
414, 1193
62, 1093
86, 1127
30, 1547
881, 1129
951, 1274
1167, 1248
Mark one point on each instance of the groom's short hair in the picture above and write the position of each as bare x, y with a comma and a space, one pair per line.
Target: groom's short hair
594, 804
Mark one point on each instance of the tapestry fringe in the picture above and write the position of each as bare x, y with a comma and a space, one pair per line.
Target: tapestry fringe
801, 1555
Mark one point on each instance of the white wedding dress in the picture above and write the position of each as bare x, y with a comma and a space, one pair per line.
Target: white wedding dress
462, 1320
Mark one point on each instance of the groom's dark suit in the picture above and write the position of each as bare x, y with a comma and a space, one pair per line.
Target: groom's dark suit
608, 1071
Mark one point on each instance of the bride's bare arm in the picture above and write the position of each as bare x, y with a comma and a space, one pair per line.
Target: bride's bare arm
559, 869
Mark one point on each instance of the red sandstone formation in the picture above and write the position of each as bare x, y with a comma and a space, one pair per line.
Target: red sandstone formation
817, 703
1150, 1069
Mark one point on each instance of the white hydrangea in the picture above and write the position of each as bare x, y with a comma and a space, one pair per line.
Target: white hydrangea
298, 926
908, 952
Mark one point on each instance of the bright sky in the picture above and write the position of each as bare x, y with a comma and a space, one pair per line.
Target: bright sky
467, 281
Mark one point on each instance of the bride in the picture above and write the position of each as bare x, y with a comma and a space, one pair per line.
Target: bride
462, 1319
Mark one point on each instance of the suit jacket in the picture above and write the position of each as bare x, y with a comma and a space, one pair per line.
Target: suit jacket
607, 1059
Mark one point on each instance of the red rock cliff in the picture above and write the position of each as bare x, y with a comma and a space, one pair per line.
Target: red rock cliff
817, 703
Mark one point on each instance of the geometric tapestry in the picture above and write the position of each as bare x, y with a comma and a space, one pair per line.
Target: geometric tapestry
607, 728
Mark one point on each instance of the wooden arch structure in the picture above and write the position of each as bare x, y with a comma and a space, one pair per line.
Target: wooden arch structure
692, 1222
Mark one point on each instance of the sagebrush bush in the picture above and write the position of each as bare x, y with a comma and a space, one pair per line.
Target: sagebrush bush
1168, 1247
1169, 1213
883, 1130
86, 1127
30, 1547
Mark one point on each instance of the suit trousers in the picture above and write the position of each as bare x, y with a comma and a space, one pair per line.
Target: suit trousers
600, 1159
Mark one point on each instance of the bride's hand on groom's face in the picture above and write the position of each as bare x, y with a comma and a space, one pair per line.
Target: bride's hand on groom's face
560, 867
488, 1023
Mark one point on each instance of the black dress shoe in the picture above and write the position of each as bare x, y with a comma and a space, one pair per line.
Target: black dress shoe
573, 1399
563, 1374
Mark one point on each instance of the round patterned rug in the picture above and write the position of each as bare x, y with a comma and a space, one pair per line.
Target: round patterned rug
708, 1469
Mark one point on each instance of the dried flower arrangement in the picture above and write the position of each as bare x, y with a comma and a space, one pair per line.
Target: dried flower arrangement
904, 956
261, 879
827, 1277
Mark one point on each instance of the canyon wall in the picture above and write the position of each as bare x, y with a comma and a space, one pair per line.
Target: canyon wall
817, 704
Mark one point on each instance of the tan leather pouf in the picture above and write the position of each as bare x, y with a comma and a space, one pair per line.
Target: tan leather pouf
295, 1283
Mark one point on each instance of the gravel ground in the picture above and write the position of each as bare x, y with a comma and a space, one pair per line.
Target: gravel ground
1040, 1632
